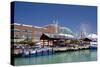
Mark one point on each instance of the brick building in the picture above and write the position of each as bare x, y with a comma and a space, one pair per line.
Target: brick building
22, 32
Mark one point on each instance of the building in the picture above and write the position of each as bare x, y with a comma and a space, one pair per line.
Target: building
21, 32
54, 39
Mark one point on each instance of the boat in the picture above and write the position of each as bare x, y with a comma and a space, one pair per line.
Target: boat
25, 53
45, 51
93, 45
50, 51
17, 52
32, 53
38, 52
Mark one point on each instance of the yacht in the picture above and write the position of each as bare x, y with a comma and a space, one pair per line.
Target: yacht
93, 45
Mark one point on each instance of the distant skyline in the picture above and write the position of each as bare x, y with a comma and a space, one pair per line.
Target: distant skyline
75, 17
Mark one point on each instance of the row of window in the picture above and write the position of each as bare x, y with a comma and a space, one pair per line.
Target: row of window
18, 30
23, 37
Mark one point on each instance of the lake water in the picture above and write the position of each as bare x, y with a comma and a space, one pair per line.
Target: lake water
64, 57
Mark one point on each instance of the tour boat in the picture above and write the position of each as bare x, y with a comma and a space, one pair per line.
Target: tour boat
32, 53
25, 53
93, 45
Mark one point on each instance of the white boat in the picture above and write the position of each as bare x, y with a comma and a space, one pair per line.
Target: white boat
32, 51
25, 53
93, 45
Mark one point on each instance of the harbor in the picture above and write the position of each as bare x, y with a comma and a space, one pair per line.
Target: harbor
33, 51
55, 54
49, 44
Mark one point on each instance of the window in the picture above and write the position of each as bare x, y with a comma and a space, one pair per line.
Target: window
24, 36
29, 36
23, 30
37, 33
29, 31
15, 30
16, 37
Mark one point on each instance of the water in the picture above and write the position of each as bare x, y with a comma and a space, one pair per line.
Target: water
65, 57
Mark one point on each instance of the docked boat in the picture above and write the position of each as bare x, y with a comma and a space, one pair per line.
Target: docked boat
38, 52
17, 52
44, 51
32, 53
25, 53
93, 45
50, 51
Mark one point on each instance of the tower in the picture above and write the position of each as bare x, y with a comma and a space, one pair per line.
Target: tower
55, 22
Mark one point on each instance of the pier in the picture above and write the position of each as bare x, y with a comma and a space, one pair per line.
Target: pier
41, 51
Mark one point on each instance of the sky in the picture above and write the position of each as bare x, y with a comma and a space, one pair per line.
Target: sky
75, 17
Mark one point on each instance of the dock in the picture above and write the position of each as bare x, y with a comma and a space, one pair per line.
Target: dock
47, 50
62, 49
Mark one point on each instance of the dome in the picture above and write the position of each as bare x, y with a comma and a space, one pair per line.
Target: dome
64, 30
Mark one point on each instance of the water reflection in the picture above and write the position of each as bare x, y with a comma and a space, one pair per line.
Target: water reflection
71, 56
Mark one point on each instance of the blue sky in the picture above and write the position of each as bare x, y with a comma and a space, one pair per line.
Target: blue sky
71, 16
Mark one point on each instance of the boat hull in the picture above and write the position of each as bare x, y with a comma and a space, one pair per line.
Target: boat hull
93, 47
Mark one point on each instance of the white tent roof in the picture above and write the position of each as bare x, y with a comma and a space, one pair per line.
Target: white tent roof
92, 36
67, 35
